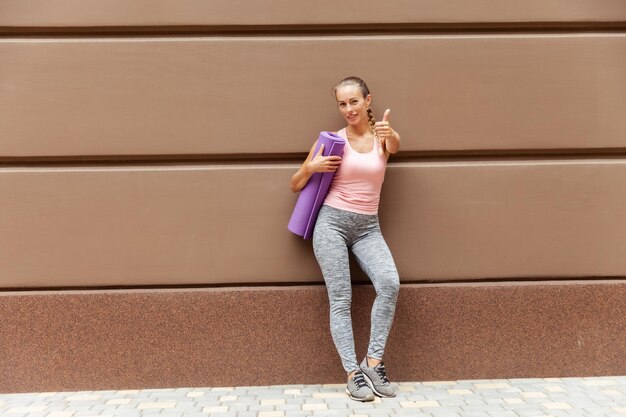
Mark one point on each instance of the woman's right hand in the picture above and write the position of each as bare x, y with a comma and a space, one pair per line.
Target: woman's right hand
312, 164
321, 163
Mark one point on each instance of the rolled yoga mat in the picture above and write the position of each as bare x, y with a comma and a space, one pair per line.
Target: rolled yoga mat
314, 192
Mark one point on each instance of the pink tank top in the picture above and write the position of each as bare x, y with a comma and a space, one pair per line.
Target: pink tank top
357, 183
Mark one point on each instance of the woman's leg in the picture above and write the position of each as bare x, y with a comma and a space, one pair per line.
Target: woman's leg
331, 251
374, 257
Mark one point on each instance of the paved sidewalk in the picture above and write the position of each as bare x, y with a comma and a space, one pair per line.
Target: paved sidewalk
558, 397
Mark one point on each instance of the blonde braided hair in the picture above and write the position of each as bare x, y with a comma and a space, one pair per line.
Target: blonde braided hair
356, 81
372, 122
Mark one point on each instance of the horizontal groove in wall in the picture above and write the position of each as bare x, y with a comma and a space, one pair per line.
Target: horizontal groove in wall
526, 280
320, 30
295, 158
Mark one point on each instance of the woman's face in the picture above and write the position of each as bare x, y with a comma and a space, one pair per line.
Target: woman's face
352, 105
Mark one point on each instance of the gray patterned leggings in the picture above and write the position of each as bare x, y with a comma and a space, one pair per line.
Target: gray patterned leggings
335, 232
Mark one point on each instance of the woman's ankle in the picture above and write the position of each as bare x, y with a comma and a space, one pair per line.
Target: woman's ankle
371, 362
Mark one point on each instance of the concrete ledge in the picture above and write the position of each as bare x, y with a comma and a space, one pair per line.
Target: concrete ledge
118, 339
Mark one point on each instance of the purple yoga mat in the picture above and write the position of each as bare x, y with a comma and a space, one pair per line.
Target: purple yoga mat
314, 192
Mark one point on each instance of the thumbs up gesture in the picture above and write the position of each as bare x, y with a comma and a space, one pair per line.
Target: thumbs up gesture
383, 129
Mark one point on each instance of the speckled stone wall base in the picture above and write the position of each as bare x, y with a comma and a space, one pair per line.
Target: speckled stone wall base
150, 338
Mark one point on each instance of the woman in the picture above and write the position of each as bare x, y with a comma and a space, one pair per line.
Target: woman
349, 220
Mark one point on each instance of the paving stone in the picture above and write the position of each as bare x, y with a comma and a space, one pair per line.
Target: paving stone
157, 405
463, 391
261, 408
412, 412
562, 397
420, 404
527, 381
557, 405
289, 407
361, 408
87, 413
554, 388
598, 382
531, 413
299, 400
240, 401
300, 413
314, 406
234, 408
379, 412
83, 397
438, 413
533, 394
401, 396
215, 409
497, 401
514, 400
454, 400
337, 405
26, 409
273, 401
561, 413
492, 385
439, 383
333, 413
128, 413
436, 395
324, 395
475, 414
150, 412
61, 414
118, 401
218, 415
501, 413
473, 401
271, 414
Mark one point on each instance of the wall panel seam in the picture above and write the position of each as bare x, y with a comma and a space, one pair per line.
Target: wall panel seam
297, 158
486, 28
297, 285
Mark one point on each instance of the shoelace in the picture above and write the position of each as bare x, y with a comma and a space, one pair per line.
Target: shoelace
359, 380
380, 370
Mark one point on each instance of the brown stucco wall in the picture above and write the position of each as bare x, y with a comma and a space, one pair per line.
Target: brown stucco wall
150, 145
